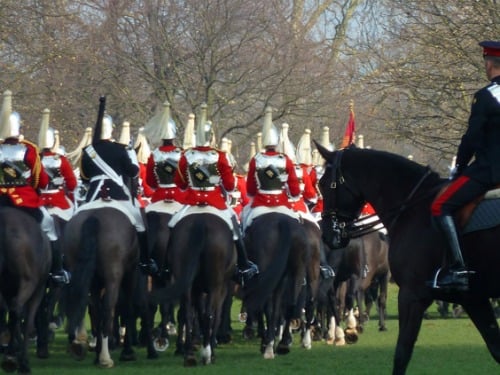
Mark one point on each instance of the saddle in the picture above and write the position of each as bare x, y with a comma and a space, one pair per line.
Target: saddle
482, 213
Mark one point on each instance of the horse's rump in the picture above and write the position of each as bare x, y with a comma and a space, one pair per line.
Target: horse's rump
278, 244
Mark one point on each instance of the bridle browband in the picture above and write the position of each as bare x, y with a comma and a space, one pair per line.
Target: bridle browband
358, 227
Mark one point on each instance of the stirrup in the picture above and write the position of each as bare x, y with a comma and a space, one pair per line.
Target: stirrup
62, 277
149, 268
327, 272
434, 283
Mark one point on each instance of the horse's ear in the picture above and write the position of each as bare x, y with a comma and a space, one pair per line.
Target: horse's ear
323, 151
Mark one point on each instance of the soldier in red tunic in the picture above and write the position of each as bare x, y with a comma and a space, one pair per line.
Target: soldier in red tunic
57, 197
271, 179
21, 175
163, 161
206, 175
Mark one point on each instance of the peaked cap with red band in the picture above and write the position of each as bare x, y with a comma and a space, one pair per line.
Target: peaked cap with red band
490, 48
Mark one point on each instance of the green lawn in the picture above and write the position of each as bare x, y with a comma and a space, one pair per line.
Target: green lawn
445, 346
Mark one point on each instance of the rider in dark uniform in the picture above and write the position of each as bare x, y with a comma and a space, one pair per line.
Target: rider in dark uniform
104, 186
481, 141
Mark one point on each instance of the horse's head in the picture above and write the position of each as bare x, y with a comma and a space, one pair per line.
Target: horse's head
342, 204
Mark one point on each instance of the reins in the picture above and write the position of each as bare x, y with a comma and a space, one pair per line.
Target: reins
359, 227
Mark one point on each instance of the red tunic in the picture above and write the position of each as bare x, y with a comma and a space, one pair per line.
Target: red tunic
215, 198
59, 198
162, 193
242, 201
27, 196
308, 192
272, 200
318, 207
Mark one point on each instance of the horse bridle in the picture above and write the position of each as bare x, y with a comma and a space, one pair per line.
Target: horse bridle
364, 228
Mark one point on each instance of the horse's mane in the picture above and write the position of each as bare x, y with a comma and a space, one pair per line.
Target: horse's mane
395, 164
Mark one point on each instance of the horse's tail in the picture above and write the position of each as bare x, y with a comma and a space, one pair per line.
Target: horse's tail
258, 291
76, 298
195, 245
2, 245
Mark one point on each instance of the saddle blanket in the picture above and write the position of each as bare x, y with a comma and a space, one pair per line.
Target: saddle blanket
65, 214
251, 214
164, 207
196, 210
117, 205
485, 215
370, 219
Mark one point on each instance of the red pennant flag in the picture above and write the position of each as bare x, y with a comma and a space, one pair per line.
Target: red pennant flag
350, 129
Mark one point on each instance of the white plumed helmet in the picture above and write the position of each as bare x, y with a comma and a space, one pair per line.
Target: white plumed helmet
270, 135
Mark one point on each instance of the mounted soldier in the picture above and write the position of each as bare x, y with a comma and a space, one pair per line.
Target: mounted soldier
109, 168
21, 176
162, 163
271, 181
206, 175
58, 196
143, 152
238, 197
301, 156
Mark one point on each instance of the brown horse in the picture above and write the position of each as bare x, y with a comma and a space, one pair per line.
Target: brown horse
279, 245
25, 260
401, 192
101, 252
202, 260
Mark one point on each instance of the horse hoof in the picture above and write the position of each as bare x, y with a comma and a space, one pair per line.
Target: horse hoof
282, 349
42, 353
128, 356
9, 364
360, 329
248, 333
161, 344
190, 361
152, 354
340, 342
77, 350
351, 338
382, 329
268, 355
106, 363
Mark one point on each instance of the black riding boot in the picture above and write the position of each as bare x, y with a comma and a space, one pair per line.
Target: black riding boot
57, 273
454, 276
146, 263
246, 268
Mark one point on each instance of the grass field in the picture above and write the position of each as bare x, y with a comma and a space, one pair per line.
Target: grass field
445, 346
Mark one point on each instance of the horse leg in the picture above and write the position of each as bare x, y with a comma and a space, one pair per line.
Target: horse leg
411, 310
189, 357
42, 327
10, 362
483, 316
128, 316
109, 301
382, 302
267, 342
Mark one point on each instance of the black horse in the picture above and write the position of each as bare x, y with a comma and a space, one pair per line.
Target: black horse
363, 262
102, 253
25, 260
201, 259
401, 192
279, 245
